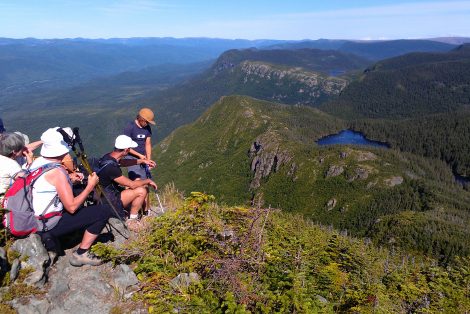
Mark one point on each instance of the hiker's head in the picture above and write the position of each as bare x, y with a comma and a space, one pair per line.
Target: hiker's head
145, 117
53, 144
11, 145
123, 144
69, 163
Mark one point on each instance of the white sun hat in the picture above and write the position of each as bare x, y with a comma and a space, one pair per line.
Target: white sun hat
53, 144
124, 141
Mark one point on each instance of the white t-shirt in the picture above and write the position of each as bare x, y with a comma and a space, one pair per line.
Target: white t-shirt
8, 169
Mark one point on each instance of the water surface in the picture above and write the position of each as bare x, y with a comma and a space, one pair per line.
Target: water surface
349, 137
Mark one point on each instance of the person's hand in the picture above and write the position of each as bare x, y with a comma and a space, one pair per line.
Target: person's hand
76, 177
93, 180
152, 184
28, 154
150, 163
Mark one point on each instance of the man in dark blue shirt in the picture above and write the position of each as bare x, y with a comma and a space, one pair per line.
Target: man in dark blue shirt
140, 132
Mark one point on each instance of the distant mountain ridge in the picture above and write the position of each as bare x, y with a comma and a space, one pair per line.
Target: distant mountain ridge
372, 50
57, 63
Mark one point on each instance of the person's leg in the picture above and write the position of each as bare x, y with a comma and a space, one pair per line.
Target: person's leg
134, 198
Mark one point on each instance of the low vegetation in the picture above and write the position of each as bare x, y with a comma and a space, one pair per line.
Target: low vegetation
245, 260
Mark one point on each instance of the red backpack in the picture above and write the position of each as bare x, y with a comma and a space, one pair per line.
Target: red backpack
19, 218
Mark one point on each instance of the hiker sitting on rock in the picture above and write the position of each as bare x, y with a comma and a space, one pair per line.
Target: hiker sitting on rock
12, 146
53, 197
114, 182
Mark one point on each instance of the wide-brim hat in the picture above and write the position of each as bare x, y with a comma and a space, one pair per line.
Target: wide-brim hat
124, 142
147, 114
53, 144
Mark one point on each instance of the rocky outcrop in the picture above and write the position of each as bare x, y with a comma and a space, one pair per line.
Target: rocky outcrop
393, 181
331, 204
69, 289
34, 256
360, 173
334, 171
85, 289
266, 157
308, 84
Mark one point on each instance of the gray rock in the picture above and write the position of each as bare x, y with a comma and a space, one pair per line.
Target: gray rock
334, 171
33, 306
267, 157
331, 203
184, 280
226, 234
393, 181
15, 269
119, 231
124, 278
34, 255
365, 156
343, 155
321, 299
359, 173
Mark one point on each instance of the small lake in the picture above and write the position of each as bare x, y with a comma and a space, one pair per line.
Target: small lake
347, 137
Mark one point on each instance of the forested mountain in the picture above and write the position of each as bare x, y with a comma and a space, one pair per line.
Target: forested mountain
327, 61
372, 50
443, 136
243, 150
108, 101
409, 86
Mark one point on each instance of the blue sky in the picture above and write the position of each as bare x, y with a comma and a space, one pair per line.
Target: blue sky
255, 19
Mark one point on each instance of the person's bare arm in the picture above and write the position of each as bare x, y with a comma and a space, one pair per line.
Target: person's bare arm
136, 154
124, 181
58, 178
133, 162
148, 148
32, 146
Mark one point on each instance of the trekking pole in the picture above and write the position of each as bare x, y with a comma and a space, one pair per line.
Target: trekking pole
81, 155
148, 174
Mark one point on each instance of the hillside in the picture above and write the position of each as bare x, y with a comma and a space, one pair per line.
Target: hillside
409, 86
203, 257
244, 150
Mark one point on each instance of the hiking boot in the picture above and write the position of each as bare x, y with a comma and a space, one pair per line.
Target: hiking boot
86, 258
134, 225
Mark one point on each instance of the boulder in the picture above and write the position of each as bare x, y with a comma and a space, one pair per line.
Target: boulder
33, 254
184, 280
331, 203
391, 182
334, 171
124, 279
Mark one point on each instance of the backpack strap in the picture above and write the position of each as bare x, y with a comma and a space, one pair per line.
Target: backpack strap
104, 163
43, 218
